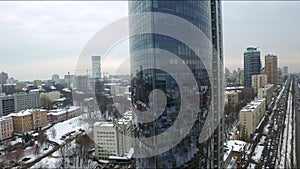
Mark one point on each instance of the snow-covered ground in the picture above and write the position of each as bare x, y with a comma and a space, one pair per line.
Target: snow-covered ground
56, 132
55, 160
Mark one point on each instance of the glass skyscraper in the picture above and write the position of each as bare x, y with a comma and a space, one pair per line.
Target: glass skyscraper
252, 65
208, 74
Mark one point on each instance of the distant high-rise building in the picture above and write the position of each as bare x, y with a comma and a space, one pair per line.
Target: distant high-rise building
55, 78
96, 67
69, 79
252, 65
81, 83
206, 16
285, 70
3, 78
271, 69
279, 76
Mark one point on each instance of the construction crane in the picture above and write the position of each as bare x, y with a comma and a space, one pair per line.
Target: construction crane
82, 70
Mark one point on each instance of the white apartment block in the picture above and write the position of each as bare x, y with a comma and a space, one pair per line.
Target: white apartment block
250, 116
113, 139
26, 101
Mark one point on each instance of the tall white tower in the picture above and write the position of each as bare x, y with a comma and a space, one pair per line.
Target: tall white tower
96, 67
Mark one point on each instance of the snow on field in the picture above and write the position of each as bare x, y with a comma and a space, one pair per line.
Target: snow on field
64, 127
48, 162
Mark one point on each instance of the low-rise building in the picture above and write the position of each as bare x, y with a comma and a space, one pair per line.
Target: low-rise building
237, 149
231, 98
250, 116
6, 127
39, 118
22, 121
58, 115
27, 120
47, 99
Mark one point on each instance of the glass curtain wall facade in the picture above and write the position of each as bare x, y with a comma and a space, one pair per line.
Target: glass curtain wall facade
206, 16
252, 65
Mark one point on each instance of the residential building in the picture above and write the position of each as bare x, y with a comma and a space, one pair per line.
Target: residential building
27, 120
231, 98
240, 77
279, 76
81, 83
206, 17
96, 67
266, 92
28, 100
230, 161
113, 139
47, 99
3, 78
271, 66
6, 127
252, 65
7, 104
105, 137
238, 149
259, 81
285, 70
22, 121
39, 118
9, 89
55, 78
58, 115
250, 116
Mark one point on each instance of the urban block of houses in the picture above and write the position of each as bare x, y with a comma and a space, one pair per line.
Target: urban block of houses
234, 153
250, 116
266, 92
59, 115
30, 119
7, 129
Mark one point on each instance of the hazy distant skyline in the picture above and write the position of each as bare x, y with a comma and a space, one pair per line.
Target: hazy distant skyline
38, 39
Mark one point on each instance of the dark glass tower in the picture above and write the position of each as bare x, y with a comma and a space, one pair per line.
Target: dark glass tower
206, 16
252, 65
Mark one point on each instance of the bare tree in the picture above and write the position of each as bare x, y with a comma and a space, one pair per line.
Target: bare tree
53, 132
18, 154
42, 137
36, 149
63, 156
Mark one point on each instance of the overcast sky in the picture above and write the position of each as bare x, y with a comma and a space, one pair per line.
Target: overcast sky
38, 39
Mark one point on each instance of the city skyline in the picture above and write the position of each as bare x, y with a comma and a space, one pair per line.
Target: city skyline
45, 36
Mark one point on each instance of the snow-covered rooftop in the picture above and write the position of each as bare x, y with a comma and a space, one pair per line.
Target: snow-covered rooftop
236, 145
253, 105
104, 124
